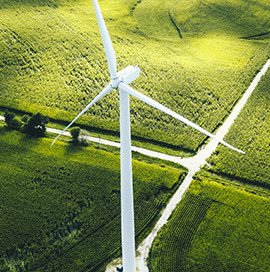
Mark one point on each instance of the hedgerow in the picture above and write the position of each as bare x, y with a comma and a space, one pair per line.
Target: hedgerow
61, 205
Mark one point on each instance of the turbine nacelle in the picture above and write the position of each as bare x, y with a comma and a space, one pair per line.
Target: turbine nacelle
127, 75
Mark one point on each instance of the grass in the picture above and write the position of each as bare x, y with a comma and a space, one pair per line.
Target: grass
230, 234
60, 203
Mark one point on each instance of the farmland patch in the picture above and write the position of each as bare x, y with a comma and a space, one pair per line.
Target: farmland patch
251, 129
61, 205
52, 61
175, 239
164, 19
232, 236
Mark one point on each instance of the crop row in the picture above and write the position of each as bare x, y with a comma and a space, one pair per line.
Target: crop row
61, 205
170, 249
95, 248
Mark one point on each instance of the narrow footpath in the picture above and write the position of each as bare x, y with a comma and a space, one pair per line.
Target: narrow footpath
193, 164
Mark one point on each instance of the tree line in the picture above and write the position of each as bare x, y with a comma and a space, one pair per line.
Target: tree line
35, 125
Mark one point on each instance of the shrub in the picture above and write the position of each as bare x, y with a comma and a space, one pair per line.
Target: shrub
83, 138
75, 132
84, 141
35, 125
16, 123
12, 120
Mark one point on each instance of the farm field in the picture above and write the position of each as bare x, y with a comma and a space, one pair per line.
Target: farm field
220, 225
60, 206
252, 131
52, 61
174, 19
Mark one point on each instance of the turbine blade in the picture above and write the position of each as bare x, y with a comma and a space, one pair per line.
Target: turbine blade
99, 96
107, 43
159, 106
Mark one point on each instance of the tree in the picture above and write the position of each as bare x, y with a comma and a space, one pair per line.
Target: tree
16, 123
12, 120
83, 138
25, 118
75, 132
9, 116
36, 125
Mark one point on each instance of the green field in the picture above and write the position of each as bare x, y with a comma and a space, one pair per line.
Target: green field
219, 226
222, 223
60, 206
52, 60
173, 19
251, 132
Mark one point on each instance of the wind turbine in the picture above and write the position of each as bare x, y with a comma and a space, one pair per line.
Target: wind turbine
121, 80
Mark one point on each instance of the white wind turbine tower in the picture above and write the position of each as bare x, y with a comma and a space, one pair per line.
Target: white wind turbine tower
121, 80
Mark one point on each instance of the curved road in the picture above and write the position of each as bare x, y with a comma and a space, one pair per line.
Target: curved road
193, 164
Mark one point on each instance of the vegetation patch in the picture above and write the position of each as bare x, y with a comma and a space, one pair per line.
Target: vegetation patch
61, 204
241, 18
230, 234
52, 61
252, 131
170, 249
165, 19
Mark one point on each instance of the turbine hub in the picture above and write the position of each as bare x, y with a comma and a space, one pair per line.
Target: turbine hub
115, 82
127, 75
